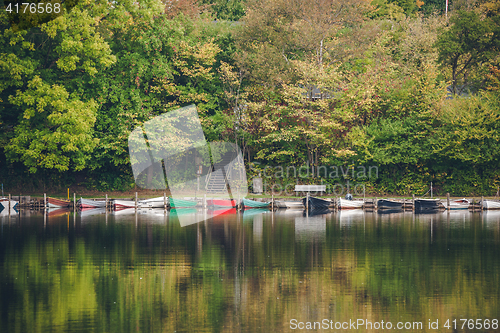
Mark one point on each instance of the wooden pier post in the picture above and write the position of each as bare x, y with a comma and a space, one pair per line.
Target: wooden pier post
74, 200
9, 203
413, 202
448, 201
205, 201
272, 202
482, 202
473, 205
136, 200
375, 204
44, 200
307, 201
106, 202
431, 190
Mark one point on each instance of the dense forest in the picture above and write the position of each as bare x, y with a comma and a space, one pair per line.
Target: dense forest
405, 86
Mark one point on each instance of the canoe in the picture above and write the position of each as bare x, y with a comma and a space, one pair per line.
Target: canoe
389, 204
491, 204
87, 203
158, 202
427, 204
317, 203
228, 203
289, 204
120, 204
181, 203
57, 203
254, 204
4, 202
350, 204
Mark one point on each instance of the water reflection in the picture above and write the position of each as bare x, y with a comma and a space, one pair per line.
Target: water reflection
245, 271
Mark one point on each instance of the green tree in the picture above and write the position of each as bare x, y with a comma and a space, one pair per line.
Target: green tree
467, 47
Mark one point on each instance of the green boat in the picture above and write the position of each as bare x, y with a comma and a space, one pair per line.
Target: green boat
254, 204
178, 203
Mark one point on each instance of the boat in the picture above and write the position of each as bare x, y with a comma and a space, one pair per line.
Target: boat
120, 204
4, 202
317, 203
427, 205
57, 203
456, 204
289, 204
181, 203
350, 204
158, 202
228, 203
389, 204
491, 204
247, 203
87, 203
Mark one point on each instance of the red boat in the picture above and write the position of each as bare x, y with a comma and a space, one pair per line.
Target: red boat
221, 203
57, 203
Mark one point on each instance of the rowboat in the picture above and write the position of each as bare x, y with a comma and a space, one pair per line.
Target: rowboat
57, 203
491, 204
87, 203
254, 204
289, 204
427, 205
120, 204
456, 204
4, 202
181, 203
317, 203
350, 204
228, 203
389, 204
158, 202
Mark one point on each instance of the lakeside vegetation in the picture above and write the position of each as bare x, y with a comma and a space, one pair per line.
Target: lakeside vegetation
392, 84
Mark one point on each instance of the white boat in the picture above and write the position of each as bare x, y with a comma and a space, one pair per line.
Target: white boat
4, 202
350, 204
87, 203
118, 203
152, 203
491, 204
289, 204
456, 204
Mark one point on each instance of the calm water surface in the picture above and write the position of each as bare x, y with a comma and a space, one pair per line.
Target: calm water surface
255, 271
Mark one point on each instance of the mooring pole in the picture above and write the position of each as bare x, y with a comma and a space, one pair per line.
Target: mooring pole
44, 200
9, 203
431, 190
272, 202
164, 201
136, 200
413, 201
448, 201
205, 201
482, 202
74, 201
106, 202
307, 201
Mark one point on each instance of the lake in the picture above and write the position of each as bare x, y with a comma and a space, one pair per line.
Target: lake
255, 271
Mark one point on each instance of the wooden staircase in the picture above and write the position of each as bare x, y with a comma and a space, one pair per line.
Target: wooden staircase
217, 182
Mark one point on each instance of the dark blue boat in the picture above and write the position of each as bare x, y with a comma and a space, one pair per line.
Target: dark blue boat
317, 203
426, 205
389, 204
